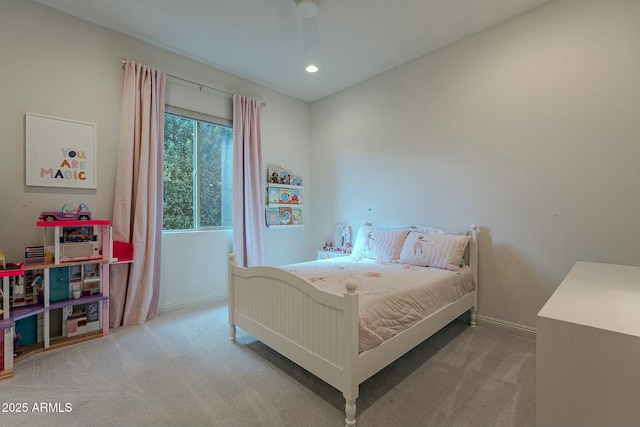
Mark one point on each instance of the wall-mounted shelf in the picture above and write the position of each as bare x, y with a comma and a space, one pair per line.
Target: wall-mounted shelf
283, 199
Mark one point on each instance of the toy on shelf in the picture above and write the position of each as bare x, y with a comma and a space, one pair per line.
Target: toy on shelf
341, 243
1, 296
81, 213
34, 255
11, 266
4, 265
37, 288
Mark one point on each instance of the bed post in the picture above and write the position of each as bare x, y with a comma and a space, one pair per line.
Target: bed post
473, 262
351, 346
232, 325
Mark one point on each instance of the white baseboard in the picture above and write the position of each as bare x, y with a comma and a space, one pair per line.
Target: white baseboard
179, 304
503, 325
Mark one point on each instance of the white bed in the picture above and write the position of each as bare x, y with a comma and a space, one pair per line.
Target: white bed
325, 331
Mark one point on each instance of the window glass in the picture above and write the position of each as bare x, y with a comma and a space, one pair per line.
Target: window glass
198, 153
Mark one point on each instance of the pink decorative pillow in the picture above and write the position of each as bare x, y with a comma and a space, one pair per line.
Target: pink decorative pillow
440, 251
380, 244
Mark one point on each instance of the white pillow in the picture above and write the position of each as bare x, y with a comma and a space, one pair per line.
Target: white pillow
383, 245
428, 250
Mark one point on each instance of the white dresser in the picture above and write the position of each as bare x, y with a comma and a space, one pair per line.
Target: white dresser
588, 349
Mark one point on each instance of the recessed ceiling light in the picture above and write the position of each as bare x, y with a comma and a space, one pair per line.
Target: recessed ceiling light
311, 68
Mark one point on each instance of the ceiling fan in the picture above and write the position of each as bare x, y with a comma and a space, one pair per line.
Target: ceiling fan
307, 10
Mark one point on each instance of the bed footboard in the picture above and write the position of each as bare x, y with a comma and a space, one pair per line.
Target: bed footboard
319, 331
315, 329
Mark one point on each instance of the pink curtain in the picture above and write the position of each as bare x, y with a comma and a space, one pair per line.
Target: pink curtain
248, 183
137, 208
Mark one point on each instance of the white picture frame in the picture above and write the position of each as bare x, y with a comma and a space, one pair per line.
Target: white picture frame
60, 152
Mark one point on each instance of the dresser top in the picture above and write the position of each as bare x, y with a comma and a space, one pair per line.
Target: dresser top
604, 296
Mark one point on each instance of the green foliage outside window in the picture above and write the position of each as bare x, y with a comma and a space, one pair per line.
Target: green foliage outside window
197, 174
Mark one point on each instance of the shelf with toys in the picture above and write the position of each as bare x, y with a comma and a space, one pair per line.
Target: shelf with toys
283, 198
60, 295
8, 272
339, 245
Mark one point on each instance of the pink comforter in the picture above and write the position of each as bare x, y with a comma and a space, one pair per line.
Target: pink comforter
393, 297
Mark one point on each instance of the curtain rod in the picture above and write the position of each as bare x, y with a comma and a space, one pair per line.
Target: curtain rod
262, 104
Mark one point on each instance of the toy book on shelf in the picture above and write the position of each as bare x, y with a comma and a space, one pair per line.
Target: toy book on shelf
280, 175
9, 266
283, 201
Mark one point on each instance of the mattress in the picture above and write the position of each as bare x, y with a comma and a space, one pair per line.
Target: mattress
393, 297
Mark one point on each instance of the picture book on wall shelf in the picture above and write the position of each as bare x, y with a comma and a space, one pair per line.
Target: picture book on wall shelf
273, 194
285, 177
272, 216
273, 174
295, 196
296, 216
285, 195
280, 175
286, 216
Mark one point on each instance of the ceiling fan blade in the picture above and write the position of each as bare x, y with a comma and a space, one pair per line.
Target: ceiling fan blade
310, 33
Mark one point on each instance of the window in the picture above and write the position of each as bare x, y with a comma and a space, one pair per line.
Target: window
198, 152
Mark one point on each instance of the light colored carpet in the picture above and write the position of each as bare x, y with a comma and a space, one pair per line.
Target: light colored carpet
182, 370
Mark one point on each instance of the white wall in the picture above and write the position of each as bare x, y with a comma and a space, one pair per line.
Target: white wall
530, 129
193, 266
57, 65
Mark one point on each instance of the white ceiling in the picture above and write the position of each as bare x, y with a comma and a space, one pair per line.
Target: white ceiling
261, 40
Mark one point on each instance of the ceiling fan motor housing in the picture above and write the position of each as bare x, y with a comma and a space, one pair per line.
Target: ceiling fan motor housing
306, 8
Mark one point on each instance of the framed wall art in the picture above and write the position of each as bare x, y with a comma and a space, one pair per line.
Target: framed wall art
60, 152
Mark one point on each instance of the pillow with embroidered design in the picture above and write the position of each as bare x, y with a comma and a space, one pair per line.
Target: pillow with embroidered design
427, 250
382, 245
